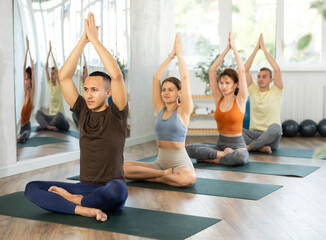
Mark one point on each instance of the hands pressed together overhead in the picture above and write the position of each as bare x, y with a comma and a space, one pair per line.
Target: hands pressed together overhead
90, 29
177, 47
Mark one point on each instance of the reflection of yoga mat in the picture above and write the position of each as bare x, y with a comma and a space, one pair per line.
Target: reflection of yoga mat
205, 186
256, 167
132, 221
38, 141
70, 132
287, 152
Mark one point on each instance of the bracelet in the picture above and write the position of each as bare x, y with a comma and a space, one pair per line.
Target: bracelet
171, 56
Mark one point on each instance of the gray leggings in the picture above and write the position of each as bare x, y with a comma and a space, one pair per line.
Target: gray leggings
59, 121
206, 151
257, 139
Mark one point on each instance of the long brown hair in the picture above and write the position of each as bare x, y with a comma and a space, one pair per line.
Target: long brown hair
173, 80
176, 82
231, 73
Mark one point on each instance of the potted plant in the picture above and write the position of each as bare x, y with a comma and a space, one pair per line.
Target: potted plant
203, 73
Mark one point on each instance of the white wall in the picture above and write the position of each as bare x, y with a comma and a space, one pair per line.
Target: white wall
8, 151
291, 78
151, 39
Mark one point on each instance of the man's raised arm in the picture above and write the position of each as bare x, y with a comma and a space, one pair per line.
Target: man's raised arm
67, 71
278, 82
119, 93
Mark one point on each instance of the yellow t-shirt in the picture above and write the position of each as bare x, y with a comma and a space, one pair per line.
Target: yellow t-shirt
81, 89
265, 107
56, 103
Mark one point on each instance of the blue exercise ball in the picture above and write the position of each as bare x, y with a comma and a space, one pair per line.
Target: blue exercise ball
308, 128
322, 128
110, 100
246, 118
290, 128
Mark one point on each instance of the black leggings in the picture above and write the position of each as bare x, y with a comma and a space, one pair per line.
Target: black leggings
25, 132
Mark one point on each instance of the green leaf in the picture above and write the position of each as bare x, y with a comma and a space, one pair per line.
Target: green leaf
304, 41
317, 5
324, 14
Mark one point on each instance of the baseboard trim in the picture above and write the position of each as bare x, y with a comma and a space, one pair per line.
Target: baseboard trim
37, 163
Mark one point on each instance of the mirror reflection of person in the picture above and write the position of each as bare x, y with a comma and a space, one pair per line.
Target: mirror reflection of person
29, 89
56, 120
83, 76
103, 131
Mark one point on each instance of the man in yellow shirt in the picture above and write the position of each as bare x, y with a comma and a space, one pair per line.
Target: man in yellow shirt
265, 130
56, 120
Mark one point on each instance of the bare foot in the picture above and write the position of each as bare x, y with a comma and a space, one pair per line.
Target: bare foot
91, 212
265, 149
167, 171
52, 128
227, 150
75, 198
39, 128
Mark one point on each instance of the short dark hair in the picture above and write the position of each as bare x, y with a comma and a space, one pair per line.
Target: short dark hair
173, 80
231, 73
267, 69
105, 76
53, 68
29, 72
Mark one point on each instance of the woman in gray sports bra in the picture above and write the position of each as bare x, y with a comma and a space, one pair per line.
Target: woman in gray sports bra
173, 165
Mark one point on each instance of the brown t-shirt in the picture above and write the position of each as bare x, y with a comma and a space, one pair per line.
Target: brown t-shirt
101, 139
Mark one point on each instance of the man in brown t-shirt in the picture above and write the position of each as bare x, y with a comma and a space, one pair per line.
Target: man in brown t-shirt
102, 137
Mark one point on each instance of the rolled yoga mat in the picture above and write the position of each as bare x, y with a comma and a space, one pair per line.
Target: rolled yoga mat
38, 141
255, 167
206, 186
131, 221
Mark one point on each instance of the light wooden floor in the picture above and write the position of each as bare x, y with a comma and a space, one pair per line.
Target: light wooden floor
296, 211
25, 153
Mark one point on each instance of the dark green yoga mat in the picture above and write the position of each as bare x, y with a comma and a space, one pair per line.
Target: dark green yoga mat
222, 188
70, 132
132, 221
287, 152
206, 186
290, 152
38, 141
256, 167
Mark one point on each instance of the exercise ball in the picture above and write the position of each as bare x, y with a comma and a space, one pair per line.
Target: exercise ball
308, 128
110, 100
322, 128
246, 118
290, 128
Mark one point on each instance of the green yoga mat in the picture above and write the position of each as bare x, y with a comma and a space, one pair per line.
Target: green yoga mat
131, 221
287, 152
290, 152
205, 186
70, 132
256, 167
38, 141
